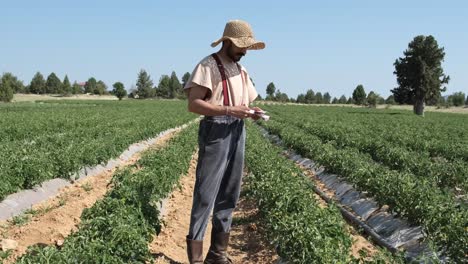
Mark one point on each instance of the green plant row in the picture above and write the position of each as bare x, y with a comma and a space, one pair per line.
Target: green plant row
440, 135
441, 172
118, 228
302, 230
41, 141
414, 198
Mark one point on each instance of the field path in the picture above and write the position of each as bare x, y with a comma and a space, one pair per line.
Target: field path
53, 220
246, 244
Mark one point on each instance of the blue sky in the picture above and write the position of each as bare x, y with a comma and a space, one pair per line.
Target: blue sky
321, 45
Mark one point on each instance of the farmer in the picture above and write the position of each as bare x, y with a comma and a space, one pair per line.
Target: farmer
221, 90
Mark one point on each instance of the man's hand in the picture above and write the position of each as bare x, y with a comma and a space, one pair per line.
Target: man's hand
240, 111
256, 116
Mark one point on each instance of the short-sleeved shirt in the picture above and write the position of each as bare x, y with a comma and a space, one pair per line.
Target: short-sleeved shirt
240, 87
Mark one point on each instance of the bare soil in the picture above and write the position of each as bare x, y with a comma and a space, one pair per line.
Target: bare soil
40, 97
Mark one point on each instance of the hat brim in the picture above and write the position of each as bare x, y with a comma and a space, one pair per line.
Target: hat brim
242, 42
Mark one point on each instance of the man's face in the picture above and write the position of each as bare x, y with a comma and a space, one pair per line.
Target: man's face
235, 53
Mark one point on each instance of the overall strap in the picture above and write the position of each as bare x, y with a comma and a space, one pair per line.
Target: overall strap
223, 77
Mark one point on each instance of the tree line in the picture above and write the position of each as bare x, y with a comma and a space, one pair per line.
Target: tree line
168, 87
359, 97
52, 85
420, 78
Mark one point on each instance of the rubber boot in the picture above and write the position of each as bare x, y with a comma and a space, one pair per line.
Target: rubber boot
195, 251
218, 249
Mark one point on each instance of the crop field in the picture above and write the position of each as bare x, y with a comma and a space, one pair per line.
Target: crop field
118, 228
41, 141
416, 166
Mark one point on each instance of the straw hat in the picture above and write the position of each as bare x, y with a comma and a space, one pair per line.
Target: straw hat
241, 34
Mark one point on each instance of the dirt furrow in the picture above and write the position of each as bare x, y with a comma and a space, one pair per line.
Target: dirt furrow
246, 242
51, 221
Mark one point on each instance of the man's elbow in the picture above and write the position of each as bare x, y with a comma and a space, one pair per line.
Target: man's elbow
191, 107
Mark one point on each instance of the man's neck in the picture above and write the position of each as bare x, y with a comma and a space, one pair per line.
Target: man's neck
222, 53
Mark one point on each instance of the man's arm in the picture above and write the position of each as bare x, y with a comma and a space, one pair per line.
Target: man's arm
197, 105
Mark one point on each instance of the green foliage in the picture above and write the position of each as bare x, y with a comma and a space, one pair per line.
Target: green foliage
164, 87
53, 84
326, 98
6, 89
399, 159
87, 187
76, 88
319, 98
359, 95
281, 97
390, 100
90, 86
419, 73
175, 89
57, 140
300, 99
144, 85
118, 228
15, 84
342, 100
37, 85
5, 254
372, 99
271, 89
101, 88
119, 90
185, 79
310, 97
380, 100
66, 86
335, 100
457, 99
20, 220
304, 232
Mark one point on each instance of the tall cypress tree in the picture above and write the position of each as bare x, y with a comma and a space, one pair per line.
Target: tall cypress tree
37, 85
359, 95
53, 84
76, 88
66, 86
175, 87
144, 85
164, 86
185, 79
327, 98
6, 89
